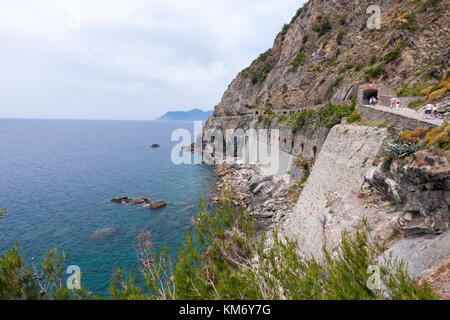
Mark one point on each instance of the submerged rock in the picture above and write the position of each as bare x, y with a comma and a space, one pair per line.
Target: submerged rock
155, 145
103, 234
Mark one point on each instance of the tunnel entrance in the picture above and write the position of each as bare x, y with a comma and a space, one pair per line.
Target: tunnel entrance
369, 93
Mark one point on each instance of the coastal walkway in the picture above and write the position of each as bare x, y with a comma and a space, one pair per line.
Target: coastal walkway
403, 112
407, 113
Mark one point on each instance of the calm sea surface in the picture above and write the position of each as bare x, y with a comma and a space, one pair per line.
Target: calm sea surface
57, 177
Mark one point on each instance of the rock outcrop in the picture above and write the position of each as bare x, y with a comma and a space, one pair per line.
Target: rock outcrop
156, 204
326, 52
421, 194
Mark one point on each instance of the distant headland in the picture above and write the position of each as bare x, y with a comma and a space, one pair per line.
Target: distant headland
191, 115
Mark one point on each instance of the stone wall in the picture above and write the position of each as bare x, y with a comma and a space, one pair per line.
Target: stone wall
401, 123
329, 201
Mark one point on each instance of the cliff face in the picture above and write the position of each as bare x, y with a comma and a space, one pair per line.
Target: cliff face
325, 53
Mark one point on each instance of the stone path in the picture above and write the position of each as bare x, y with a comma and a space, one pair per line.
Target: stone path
406, 112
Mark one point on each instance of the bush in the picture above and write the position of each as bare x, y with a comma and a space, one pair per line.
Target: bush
297, 60
394, 53
305, 38
353, 118
411, 23
439, 138
339, 38
399, 150
412, 137
372, 61
374, 72
338, 81
317, 101
323, 28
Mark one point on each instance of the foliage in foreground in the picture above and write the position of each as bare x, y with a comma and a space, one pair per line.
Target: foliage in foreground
227, 257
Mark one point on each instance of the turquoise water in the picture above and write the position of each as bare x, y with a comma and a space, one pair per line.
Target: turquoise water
57, 177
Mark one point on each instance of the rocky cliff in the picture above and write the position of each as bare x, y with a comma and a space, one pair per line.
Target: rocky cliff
326, 51
331, 176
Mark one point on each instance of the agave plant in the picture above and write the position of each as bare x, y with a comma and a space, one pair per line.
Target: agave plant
399, 150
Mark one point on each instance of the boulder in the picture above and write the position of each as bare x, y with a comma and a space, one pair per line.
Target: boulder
154, 146
138, 201
260, 187
119, 200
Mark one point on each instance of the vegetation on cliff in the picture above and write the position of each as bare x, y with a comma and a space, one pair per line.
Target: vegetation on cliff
328, 116
322, 54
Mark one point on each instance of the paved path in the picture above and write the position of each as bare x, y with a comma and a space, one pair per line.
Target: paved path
404, 112
408, 113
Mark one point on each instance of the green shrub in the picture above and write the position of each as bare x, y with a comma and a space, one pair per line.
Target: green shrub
399, 150
339, 38
394, 53
323, 28
353, 118
297, 60
405, 91
338, 81
411, 24
373, 60
317, 101
305, 38
374, 72
284, 31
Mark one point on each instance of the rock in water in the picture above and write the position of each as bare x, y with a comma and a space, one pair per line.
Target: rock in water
119, 200
103, 234
138, 201
155, 146
158, 204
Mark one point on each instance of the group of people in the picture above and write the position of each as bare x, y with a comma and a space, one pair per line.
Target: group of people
431, 111
373, 101
395, 102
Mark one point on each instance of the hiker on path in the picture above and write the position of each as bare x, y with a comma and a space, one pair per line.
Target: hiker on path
435, 112
393, 101
428, 109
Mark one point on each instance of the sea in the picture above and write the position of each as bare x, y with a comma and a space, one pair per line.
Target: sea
57, 178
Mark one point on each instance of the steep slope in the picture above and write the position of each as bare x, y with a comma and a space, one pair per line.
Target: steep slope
327, 51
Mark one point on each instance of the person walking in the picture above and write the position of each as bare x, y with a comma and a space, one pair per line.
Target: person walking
428, 109
435, 112
393, 100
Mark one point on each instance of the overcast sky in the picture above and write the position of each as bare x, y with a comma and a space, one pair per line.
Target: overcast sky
128, 59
